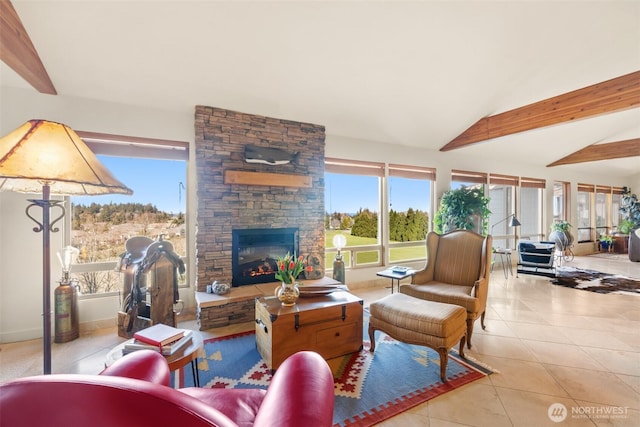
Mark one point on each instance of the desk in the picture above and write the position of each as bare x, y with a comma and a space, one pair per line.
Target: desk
505, 260
390, 274
177, 360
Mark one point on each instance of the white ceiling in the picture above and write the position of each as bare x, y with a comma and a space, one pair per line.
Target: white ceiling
410, 73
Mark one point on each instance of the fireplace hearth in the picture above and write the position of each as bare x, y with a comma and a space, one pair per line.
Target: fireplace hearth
256, 250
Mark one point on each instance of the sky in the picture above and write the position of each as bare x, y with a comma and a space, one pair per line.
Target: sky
153, 181
161, 183
349, 193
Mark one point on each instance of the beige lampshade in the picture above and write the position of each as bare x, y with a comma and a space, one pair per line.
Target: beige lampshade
43, 152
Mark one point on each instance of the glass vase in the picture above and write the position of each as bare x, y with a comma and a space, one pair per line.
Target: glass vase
287, 293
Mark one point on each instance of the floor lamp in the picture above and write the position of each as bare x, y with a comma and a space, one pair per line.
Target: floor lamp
49, 157
513, 223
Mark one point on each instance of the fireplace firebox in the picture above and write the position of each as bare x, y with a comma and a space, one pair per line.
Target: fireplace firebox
256, 250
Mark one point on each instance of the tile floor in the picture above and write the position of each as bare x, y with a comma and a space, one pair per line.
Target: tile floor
550, 344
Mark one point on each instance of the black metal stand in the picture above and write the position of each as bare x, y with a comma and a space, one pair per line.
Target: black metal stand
46, 227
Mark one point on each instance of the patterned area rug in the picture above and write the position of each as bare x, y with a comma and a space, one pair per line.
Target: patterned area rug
595, 281
369, 388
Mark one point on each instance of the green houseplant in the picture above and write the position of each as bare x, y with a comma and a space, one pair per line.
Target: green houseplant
630, 212
606, 242
461, 209
561, 234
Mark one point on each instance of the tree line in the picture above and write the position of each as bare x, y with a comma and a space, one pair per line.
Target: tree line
122, 213
406, 226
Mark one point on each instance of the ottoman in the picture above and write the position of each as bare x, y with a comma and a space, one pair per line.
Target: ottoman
415, 321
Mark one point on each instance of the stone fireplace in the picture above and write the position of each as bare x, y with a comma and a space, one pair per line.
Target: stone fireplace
235, 192
255, 252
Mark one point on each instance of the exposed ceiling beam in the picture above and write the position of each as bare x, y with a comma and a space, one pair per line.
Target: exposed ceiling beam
17, 51
595, 152
612, 95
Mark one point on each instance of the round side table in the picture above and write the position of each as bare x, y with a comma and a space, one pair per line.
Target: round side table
177, 360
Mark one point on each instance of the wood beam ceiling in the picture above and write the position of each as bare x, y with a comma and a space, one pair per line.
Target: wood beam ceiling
617, 94
610, 150
17, 51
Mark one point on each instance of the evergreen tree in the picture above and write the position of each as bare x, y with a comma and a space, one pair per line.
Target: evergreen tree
365, 224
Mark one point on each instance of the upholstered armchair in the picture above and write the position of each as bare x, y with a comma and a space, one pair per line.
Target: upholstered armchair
457, 272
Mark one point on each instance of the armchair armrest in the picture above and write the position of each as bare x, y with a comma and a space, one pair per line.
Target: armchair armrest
146, 365
300, 394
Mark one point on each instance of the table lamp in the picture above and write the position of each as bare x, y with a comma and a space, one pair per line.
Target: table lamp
339, 242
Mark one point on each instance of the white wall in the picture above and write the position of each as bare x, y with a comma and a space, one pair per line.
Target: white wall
21, 248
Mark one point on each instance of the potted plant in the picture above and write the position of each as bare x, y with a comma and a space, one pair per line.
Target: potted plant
463, 209
561, 235
606, 243
630, 212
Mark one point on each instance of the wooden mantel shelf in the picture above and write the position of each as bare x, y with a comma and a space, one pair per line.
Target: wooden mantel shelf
264, 178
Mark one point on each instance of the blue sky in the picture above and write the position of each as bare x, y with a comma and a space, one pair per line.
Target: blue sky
159, 182
152, 181
348, 193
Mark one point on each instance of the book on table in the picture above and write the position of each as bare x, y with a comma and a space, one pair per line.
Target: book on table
159, 334
166, 350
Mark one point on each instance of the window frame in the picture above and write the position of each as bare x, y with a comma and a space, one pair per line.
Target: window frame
383, 171
131, 147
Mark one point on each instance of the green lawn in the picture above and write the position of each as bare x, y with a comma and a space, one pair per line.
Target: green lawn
397, 254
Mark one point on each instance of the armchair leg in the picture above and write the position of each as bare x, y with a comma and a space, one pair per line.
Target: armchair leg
469, 331
484, 327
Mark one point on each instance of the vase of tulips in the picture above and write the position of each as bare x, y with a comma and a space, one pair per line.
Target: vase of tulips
289, 267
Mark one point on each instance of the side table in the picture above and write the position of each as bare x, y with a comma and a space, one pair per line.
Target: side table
390, 274
177, 360
505, 259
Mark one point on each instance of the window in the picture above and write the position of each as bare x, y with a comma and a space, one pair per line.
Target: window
353, 200
467, 179
585, 230
560, 201
156, 171
502, 204
616, 194
602, 209
410, 192
531, 208
355, 193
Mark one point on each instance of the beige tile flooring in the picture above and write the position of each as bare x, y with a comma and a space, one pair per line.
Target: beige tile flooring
550, 345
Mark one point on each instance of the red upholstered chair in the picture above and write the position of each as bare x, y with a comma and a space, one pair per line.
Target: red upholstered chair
457, 272
134, 392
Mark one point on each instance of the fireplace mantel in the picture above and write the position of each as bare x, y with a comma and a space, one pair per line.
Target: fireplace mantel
264, 178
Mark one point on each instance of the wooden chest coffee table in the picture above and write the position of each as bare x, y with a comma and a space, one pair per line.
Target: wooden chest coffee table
330, 325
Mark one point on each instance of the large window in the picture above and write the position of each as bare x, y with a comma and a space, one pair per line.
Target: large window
467, 179
156, 171
383, 210
585, 229
616, 194
531, 208
502, 204
560, 201
410, 192
353, 200
602, 210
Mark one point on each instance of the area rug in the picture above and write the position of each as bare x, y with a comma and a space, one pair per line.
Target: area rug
369, 388
595, 281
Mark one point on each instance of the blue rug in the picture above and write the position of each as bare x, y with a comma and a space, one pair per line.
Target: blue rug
369, 388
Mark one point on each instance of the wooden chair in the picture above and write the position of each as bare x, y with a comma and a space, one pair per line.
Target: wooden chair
457, 272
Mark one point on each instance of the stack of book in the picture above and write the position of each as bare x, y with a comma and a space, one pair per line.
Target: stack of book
159, 337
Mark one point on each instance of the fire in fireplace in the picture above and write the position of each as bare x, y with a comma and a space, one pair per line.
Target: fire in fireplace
256, 250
